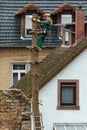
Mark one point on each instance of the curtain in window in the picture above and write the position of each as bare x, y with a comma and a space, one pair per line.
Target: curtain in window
67, 96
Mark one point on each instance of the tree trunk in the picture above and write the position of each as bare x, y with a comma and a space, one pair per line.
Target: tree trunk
35, 73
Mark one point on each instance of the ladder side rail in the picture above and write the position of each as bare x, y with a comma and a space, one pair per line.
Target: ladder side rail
32, 119
41, 120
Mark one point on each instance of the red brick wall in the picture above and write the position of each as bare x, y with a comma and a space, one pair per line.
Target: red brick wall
80, 26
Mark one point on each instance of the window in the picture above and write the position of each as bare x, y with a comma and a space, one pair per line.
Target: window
70, 126
65, 19
18, 71
25, 14
28, 24
68, 94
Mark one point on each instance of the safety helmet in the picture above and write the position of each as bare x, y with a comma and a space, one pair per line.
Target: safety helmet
47, 15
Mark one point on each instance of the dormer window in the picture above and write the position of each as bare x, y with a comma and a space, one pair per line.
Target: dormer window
65, 15
26, 22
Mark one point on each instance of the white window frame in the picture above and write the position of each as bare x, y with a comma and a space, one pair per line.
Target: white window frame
66, 125
28, 19
65, 17
27, 68
18, 72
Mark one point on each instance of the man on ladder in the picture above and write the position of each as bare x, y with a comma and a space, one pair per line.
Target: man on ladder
46, 26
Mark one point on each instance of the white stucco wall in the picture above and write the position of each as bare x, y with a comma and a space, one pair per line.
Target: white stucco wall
48, 95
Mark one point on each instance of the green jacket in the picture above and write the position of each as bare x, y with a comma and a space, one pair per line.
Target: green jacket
46, 24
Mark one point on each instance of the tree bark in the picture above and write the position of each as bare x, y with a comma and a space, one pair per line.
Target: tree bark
35, 73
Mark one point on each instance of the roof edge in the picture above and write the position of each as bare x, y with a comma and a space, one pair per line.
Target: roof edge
28, 6
60, 8
70, 55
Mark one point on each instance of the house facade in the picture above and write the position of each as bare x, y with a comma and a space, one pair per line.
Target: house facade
63, 98
63, 83
15, 63
15, 25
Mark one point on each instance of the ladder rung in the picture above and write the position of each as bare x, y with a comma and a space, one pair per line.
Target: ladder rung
39, 127
36, 116
38, 121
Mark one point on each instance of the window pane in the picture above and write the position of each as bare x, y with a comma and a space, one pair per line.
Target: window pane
66, 19
28, 22
70, 128
67, 94
21, 75
15, 77
80, 127
28, 31
60, 128
18, 67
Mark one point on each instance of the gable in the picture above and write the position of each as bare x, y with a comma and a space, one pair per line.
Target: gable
77, 69
30, 7
49, 94
65, 6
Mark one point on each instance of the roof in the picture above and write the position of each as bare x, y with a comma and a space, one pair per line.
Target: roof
10, 31
52, 65
29, 6
64, 6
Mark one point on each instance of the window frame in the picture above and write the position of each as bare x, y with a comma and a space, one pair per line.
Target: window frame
18, 71
27, 68
65, 16
76, 106
66, 126
28, 17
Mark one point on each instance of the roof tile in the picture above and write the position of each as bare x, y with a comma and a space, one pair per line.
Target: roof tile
10, 22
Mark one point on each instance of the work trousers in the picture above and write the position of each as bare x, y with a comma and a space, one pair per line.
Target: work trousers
41, 39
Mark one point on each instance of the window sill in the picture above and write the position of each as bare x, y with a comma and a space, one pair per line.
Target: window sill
68, 108
26, 38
